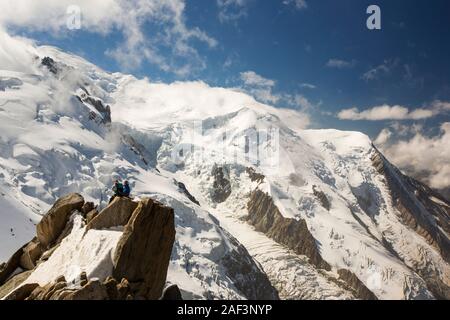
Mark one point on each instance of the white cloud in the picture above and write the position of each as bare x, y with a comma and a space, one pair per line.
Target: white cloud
383, 69
308, 86
258, 86
126, 16
263, 90
298, 4
386, 112
340, 64
253, 79
426, 158
231, 10
16, 54
383, 137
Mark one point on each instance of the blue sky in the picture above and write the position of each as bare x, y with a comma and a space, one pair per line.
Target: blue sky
315, 56
292, 46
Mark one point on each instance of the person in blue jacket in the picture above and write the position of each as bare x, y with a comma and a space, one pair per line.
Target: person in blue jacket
126, 189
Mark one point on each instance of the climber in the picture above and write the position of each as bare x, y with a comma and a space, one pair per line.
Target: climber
126, 189
117, 189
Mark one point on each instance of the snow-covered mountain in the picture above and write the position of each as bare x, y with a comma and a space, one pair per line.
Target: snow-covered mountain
321, 213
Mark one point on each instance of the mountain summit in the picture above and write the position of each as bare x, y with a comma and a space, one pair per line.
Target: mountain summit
262, 208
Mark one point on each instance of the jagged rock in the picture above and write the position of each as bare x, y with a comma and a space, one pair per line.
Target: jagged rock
87, 207
93, 290
54, 222
265, 216
22, 292
426, 217
31, 253
111, 288
358, 287
123, 289
13, 283
255, 176
144, 250
11, 265
221, 186
117, 213
246, 275
137, 148
172, 293
183, 189
322, 198
83, 279
50, 64
91, 215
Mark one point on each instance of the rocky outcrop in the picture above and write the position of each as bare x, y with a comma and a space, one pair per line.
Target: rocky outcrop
247, 276
321, 196
117, 213
13, 283
412, 200
357, 286
140, 259
54, 222
255, 176
6, 269
31, 253
172, 293
50, 64
182, 188
428, 218
221, 189
91, 215
143, 252
136, 147
265, 217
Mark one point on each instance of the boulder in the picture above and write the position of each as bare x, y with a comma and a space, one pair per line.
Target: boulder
93, 290
172, 293
144, 250
31, 253
11, 265
13, 283
117, 213
91, 215
54, 222
87, 207
22, 292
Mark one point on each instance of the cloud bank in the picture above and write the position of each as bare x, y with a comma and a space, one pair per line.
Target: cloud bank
129, 17
386, 112
424, 157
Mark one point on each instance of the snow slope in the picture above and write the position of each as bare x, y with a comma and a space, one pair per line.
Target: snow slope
57, 138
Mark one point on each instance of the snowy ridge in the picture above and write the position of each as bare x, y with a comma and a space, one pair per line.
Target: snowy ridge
55, 141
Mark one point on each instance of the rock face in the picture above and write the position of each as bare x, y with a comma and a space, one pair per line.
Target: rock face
172, 293
221, 185
143, 252
11, 265
50, 64
31, 253
183, 189
322, 198
356, 285
54, 222
265, 216
117, 213
427, 218
248, 277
